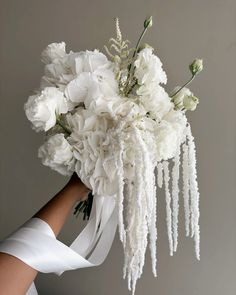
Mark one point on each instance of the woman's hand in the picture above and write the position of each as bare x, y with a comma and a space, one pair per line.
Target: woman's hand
77, 188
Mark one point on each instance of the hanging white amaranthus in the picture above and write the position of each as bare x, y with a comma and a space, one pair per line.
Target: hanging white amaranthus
112, 122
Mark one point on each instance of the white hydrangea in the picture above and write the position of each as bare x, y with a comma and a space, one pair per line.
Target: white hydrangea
91, 90
57, 153
41, 109
88, 61
65, 67
91, 144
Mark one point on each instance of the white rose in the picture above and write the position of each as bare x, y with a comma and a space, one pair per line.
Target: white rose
53, 51
41, 109
57, 153
57, 73
148, 68
157, 104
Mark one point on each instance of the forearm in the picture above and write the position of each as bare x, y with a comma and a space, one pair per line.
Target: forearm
15, 275
57, 209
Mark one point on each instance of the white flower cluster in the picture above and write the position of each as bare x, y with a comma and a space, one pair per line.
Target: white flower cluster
115, 142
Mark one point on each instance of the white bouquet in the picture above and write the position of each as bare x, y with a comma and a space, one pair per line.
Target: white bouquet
109, 119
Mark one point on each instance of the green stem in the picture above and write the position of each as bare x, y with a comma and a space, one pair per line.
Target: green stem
138, 43
188, 82
65, 128
133, 57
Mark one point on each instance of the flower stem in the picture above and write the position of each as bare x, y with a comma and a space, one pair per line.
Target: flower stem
84, 207
187, 83
65, 128
130, 67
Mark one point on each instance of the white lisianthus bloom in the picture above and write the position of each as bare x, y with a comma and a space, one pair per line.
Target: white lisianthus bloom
178, 99
184, 99
53, 51
148, 68
190, 103
57, 153
41, 109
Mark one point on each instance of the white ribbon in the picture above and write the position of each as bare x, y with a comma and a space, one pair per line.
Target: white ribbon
35, 243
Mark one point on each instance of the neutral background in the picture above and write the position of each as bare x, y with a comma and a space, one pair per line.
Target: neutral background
183, 30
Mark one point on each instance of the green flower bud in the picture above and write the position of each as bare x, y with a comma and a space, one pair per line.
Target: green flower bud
196, 66
148, 22
190, 102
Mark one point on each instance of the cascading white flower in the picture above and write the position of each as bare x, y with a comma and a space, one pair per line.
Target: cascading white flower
41, 109
57, 154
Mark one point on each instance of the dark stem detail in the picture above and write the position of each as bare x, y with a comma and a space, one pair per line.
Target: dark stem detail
84, 207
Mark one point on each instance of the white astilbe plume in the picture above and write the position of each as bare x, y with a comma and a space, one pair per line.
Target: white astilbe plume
185, 173
168, 205
175, 198
118, 31
194, 193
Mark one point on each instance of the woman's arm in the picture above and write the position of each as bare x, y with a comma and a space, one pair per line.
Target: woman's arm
16, 276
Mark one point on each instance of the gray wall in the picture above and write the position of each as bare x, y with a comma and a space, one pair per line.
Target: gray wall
183, 30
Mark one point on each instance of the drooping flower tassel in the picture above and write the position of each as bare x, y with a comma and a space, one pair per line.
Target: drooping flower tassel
153, 226
175, 198
194, 193
185, 173
150, 195
168, 205
137, 229
120, 194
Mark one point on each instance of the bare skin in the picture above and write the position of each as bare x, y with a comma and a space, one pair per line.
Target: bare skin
16, 276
